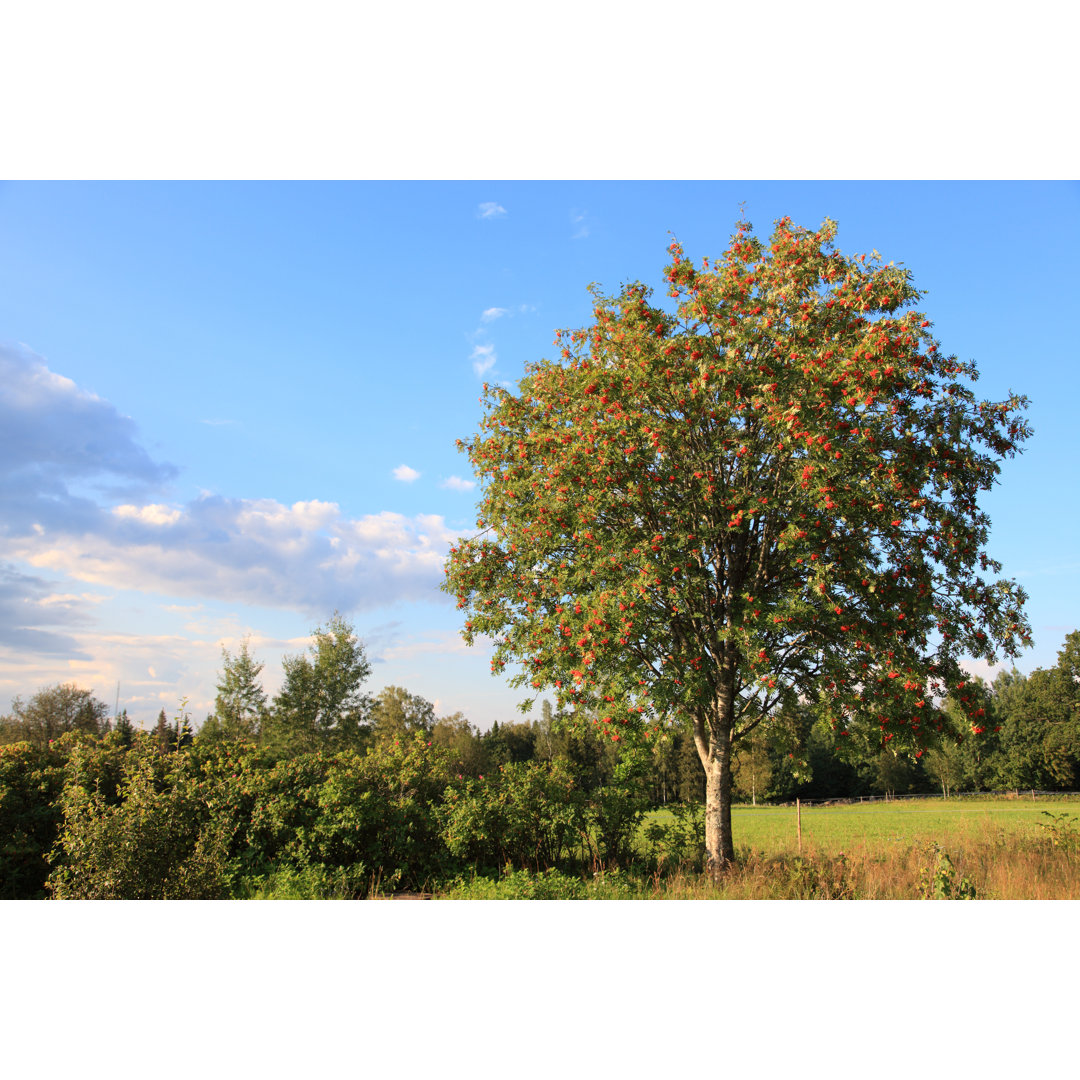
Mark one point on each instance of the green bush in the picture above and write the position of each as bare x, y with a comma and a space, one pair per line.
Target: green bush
525, 815
31, 779
284, 805
380, 811
938, 879
550, 884
616, 809
680, 843
160, 840
1061, 831
307, 883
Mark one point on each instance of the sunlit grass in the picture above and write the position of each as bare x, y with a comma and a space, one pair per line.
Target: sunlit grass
992, 848
996, 849
1008, 849
773, 829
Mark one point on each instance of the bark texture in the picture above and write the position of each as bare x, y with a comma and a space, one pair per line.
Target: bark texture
719, 846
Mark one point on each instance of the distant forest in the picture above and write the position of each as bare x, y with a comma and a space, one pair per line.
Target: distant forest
326, 791
1031, 737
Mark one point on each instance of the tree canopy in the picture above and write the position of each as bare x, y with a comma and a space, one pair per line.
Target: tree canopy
321, 703
396, 714
240, 707
54, 710
767, 496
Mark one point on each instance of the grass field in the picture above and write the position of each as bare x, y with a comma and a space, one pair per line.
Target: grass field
995, 848
773, 829
984, 849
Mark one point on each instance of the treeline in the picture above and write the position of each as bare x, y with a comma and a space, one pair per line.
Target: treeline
124, 816
339, 788
1030, 737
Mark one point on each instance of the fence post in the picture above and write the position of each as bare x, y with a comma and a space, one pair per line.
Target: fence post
798, 823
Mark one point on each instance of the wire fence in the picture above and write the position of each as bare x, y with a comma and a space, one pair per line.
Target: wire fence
1030, 795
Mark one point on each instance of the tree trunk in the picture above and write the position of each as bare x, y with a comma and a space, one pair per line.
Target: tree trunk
719, 847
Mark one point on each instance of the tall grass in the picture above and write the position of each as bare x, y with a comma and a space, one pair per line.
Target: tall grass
896, 854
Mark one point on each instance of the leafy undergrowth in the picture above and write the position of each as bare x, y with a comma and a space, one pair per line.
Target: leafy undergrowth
305, 883
1041, 865
1038, 862
547, 885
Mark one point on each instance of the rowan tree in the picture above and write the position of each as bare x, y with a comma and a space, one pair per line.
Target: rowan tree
761, 496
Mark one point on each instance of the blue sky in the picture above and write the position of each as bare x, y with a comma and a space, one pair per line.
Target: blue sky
230, 408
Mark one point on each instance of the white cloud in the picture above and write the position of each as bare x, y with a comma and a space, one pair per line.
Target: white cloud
456, 483
577, 217
70, 600
83, 504
155, 671
28, 604
306, 557
492, 313
447, 643
490, 210
483, 358
53, 433
154, 514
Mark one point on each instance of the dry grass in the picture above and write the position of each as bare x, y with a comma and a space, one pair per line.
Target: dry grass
1003, 849
1032, 870
984, 851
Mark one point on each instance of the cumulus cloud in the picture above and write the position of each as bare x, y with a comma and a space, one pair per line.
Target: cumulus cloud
153, 514
307, 557
492, 313
78, 495
490, 210
85, 503
405, 474
61, 445
456, 483
483, 359
27, 604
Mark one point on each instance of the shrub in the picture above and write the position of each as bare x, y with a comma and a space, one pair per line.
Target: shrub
1061, 831
379, 811
616, 809
550, 884
159, 841
284, 805
679, 843
31, 779
526, 815
307, 883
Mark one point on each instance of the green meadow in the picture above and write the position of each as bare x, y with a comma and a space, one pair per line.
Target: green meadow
961, 848
773, 829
